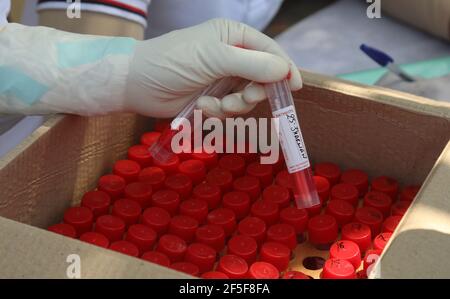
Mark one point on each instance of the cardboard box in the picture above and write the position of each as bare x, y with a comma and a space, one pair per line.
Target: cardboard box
379, 130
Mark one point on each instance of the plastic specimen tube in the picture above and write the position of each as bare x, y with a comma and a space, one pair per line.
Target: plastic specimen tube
161, 150
292, 144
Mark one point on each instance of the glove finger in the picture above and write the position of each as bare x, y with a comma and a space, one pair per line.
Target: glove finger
254, 93
211, 107
234, 104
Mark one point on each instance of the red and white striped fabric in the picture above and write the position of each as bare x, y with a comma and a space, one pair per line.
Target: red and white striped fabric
134, 10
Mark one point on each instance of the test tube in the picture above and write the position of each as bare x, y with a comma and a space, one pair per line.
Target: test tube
162, 150
292, 144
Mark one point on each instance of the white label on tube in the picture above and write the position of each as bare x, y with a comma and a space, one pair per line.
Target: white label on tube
291, 139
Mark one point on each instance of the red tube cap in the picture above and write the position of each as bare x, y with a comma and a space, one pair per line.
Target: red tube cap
211, 235
223, 217
210, 159
95, 238
263, 172
127, 169
346, 250
266, 211
323, 188
298, 218
172, 246
209, 193
150, 138
276, 254
63, 229
249, 185
409, 193
328, 170
195, 208
170, 166
81, 218
140, 193
283, 233
357, 178
322, 230
140, 154
338, 269
277, 194
111, 227
238, 202
345, 192
128, 210
156, 258
390, 224
253, 227
125, 247
214, 275
387, 185
233, 163
244, 247
371, 217
202, 255
233, 266
400, 207
183, 227
341, 210
378, 200
97, 201
112, 184
284, 179
168, 200
157, 219
186, 267
358, 233
142, 236
180, 183
221, 178
194, 169
370, 258
263, 270
381, 240
153, 176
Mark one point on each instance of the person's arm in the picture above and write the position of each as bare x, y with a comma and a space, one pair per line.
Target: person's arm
432, 16
44, 70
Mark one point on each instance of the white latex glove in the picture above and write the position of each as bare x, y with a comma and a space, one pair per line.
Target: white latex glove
166, 71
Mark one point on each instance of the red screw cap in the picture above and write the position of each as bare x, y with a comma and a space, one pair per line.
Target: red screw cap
111, 226
266, 211
210, 159
172, 246
387, 185
341, 210
221, 178
214, 275
277, 194
95, 239
322, 230
390, 224
223, 217
409, 193
234, 164
201, 255
238, 202
346, 250
249, 185
233, 266
263, 172
295, 275
81, 218
97, 201
157, 219
358, 233
140, 154
112, 184
378, 200
180, 183
314, 210
381, 240
357, 178
127, 169
170, 166
283, 233
338, 269
209, 193
168, 200
370, 258
195, 208
211, 235
328, 170
183, 227
276, 254
371, 217
142, 236
263, 270
244, 247
156, 258
186, 267
140, 193
298, 218
400, 207
253, 227
153, 176
125, 247
285, 179
345, 192
128, 210
149, 138
323, 188
194, 169
63, 229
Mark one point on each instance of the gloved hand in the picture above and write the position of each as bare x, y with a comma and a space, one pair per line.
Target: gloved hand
166, 71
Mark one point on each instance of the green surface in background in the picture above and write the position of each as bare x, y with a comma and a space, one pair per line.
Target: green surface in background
426, 69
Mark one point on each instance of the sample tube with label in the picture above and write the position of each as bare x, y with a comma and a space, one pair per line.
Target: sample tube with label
292, 144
